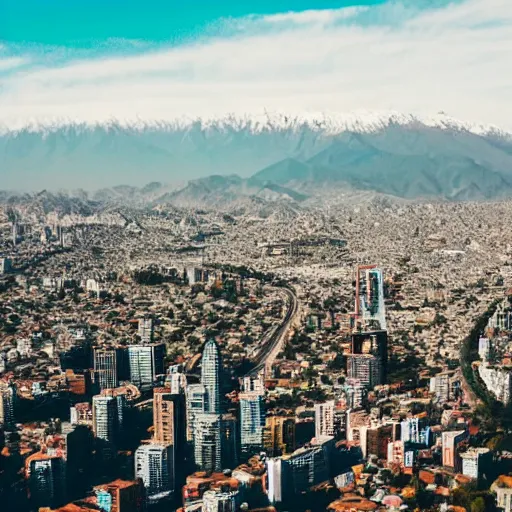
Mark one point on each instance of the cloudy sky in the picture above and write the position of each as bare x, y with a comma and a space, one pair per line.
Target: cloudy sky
94, 60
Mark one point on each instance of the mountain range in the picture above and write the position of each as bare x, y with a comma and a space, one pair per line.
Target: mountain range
278, 159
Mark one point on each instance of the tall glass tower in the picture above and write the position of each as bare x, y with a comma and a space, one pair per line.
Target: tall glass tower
211, 377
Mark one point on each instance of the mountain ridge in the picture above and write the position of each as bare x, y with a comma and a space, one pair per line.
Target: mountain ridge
276, 158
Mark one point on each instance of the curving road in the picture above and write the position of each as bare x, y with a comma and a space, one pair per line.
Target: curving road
274, 341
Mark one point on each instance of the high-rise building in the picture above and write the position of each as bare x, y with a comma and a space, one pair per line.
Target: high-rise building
153, 464
230, 441
324, 419
211, 370
374, 343
176, 380
195, 395
121, 496
164, 416
106, 417
476, 462
79, 456
208, 441
303, 469
252, 423
451, 442
278, 471
6, 404
354, 393
279, 436
365, 368
169, 423
47, 480
410, 431
253, 384
105, 367
5, 265
145, 363
370, 296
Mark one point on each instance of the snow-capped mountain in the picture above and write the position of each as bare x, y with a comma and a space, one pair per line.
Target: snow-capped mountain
274, 157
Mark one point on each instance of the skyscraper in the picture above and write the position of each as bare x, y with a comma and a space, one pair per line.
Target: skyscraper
145, 363
169, 425
324, 419
105, 417
208, 441
230, 441
252, 423
164, 416
211, 377
6, 404
153, 464
47, 480
105, 367
374, 347
195, 396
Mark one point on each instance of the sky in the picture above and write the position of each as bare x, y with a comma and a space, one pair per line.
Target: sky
97, 60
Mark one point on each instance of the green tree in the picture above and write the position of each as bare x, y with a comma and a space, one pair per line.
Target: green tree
478, 505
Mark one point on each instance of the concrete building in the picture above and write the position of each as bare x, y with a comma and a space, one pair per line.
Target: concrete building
145, 363
305, 468
498, 380
440, 385
105, 368
81, 414
121, 496
195, 396
221, 501
252, 423
451, 441
230, 440
476, 462
208, 441
365, 368
277, 476
354, 393
396, 452
47, 480
145, 330
484, 345
5, 265
165, 416
502, 487
6, 404
324, 419
279, 435
153, 464
106, 415
410, 431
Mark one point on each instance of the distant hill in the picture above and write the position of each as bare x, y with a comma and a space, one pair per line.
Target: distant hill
405, 162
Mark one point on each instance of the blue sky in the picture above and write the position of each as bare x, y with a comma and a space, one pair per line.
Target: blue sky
97, 60
78, 23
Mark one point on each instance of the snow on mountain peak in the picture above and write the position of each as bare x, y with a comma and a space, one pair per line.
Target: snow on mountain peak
329, 123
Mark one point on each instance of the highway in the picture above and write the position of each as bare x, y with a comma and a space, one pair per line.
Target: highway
274, 341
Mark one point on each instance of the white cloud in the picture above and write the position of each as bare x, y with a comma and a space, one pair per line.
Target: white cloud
9, 63
455, 59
